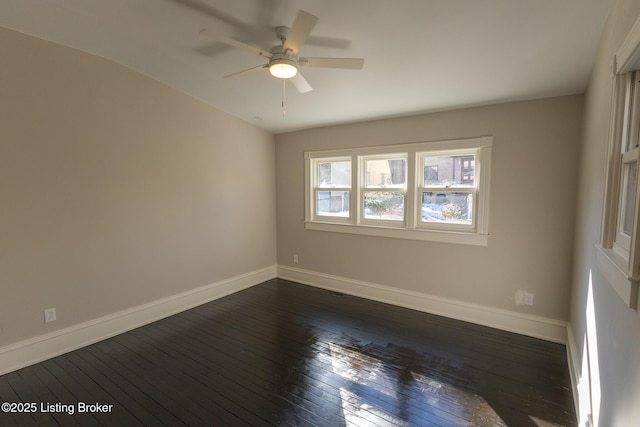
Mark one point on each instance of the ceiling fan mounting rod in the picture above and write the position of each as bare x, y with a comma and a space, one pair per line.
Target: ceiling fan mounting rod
282, 32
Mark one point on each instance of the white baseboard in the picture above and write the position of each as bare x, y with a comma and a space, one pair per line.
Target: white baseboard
574, 371
534, 326
34, 350
37, 349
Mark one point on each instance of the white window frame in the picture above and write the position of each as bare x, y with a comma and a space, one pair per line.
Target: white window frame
618, 255
363, 187
473, 189
622, 239
319, 188
412, 227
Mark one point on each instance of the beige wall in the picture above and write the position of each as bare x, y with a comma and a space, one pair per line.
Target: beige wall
116, 190
533, 181
606, 334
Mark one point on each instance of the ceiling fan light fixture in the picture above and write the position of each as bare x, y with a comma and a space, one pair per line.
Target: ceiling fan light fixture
283, 68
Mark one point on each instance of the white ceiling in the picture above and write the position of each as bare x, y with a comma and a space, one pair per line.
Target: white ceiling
420, 55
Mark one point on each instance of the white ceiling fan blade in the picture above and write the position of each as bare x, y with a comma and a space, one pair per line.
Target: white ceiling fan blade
247, 71
235, 43
300, 30
350, 63
301, 83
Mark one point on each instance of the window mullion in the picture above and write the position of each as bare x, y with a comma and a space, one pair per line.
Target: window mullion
356, 184
411, 196
362, 179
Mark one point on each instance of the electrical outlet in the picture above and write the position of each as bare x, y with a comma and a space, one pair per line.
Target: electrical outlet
295, 258
50, 315
524, 298
528, 298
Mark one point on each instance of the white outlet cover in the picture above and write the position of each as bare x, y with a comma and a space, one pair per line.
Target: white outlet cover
50, 315
528, 298
524, 298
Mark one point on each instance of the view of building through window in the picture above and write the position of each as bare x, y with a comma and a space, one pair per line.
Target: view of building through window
334, 175
404, 190
448, 187
385, 188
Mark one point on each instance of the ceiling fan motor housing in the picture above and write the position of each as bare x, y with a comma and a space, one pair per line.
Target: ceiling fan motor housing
283, 58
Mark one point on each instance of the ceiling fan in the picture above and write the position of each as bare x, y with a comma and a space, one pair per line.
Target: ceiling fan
284, 60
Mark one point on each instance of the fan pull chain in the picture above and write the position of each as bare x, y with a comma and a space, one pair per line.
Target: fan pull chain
284, 112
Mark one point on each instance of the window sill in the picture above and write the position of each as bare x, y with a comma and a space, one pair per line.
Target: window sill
461, 238
613, 267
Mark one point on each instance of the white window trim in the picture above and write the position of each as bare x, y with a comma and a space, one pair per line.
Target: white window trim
410, 229
474, 190
619, 266
362, 188
314, 190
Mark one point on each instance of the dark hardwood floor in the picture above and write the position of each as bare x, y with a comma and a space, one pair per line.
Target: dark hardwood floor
286, 354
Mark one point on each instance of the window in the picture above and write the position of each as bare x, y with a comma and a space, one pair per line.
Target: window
332, 190
618, 257
384, 189
436, 191
447, 198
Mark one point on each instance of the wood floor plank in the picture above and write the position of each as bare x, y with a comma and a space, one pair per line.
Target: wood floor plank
282, 353
63, 395
255, 376
25, 396
208, 379
280, 356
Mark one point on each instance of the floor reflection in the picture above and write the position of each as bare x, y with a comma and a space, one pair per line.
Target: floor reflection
359, 412
382, 386
360, 369
346, 364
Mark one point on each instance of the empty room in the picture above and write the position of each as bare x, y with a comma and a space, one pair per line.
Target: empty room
319, 213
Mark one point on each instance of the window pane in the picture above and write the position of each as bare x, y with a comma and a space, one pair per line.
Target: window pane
447, 207
384, 205
634, 109
446, 171
334, 174
332, 203
386, 173
631, 177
